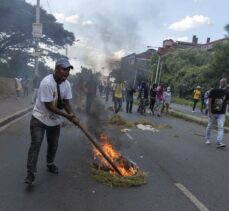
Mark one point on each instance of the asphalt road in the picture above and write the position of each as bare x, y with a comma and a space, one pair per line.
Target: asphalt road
176, 159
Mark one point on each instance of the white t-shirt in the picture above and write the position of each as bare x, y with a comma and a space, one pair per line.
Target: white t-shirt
47, 92
18, 83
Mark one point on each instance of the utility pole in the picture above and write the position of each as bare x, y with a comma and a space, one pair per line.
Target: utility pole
158, 67
136, 70
37, 33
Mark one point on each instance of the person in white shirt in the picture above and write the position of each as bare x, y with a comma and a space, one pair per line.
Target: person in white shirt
167, 99
53, 98
18, 85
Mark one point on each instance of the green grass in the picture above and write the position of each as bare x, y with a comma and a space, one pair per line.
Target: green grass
115, 180
182, 101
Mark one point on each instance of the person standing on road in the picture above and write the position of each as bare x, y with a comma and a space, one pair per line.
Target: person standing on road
36, 84
129, 98
153, 93
90, 89
26, 86
107, 91
196, 97
167, 95
54, 95
118, 92
217, 103
159, 100
143, 97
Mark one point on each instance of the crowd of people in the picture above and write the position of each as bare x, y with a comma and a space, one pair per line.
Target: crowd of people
53, 104
154, 97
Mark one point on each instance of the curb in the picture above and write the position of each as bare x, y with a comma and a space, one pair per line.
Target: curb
195, 119
7, 119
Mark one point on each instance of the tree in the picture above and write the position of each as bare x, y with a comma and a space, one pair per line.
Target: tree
16, 19
227, 28
219, 64
184, 69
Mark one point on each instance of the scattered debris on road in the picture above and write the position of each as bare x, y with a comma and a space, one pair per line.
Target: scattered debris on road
147, 127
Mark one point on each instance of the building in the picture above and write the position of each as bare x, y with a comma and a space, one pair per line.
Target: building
209, 45
171, 44
133, 64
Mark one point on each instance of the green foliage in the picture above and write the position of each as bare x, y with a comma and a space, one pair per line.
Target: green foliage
184, 69
16, 39
227, 28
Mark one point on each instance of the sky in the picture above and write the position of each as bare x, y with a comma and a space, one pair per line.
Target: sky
110, 29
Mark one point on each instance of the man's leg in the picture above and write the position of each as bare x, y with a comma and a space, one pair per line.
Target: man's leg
37, 130
208, 129
194, 105
220, 132
53, 134
131, 104
119, 104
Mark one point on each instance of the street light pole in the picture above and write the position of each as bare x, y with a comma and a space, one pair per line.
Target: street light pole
158, 67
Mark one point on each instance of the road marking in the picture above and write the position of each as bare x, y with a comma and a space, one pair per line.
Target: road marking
13, 121
192, 198
129, 136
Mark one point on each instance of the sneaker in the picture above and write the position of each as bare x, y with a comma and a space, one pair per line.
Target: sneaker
53, 169
193, 111
207, 141
219, 145
29, 179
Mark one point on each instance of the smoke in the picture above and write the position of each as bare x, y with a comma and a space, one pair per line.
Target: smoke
117, 26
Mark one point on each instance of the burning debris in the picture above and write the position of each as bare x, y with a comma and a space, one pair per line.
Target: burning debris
102, 171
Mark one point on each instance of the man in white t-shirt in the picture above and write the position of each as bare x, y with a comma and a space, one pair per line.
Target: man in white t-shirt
54, 95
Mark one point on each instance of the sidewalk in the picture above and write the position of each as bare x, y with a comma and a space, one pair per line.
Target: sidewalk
12, 107
185, 112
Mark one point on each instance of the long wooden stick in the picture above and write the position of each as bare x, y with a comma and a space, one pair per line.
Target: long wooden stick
91, 139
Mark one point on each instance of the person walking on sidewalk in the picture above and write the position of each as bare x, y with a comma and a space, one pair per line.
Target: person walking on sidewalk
18, 85
217, 103
196, 97
53, 95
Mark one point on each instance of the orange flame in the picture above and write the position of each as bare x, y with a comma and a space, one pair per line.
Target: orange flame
126, 167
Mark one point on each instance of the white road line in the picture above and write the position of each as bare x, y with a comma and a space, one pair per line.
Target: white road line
13, 121
192, 198
129, 136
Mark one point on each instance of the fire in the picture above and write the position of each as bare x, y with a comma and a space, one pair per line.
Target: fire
126, 167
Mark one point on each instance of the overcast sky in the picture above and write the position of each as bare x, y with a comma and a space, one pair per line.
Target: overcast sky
114, 28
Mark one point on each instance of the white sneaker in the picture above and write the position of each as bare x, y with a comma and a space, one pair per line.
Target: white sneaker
193, 111
207, 141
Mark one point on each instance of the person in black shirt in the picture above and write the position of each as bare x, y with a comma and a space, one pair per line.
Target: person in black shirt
218, 100
153, 93
129, 98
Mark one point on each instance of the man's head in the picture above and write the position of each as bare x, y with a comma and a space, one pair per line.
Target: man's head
223, 83
62, 69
